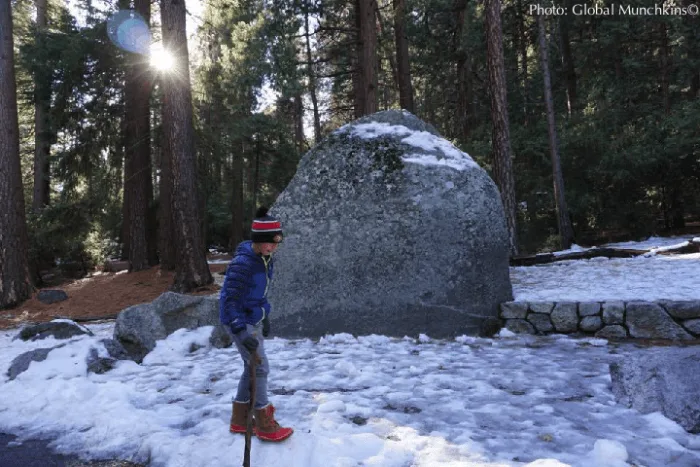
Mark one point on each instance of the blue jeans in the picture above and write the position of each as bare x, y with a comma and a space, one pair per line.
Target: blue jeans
262, 368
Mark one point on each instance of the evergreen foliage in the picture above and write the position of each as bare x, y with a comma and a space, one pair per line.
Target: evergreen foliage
625, 93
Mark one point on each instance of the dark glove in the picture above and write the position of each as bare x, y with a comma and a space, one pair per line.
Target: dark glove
250, 343
266, 327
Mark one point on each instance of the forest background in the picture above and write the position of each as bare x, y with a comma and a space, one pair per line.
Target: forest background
590, 125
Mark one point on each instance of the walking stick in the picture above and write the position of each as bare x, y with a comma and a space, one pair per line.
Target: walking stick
251, 408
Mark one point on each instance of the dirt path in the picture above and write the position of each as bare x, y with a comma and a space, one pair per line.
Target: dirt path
102, 295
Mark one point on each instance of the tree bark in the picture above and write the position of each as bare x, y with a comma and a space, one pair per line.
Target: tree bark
464, 92
299, 122
15, 282
358, 86
138, 154
42, 127
236, 202
312, 80
522, 53
402, 58
665, 68
191, 269
368, 55
568, 61
502, 163
566, 234
166, 242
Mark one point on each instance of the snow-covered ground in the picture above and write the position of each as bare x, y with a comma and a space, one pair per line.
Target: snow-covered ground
649, 277
367, 401
372, 400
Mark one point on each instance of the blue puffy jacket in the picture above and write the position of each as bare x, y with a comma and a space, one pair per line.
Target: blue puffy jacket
242, 299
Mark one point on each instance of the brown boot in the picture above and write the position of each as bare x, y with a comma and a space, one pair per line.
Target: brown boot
267, 428
239, 417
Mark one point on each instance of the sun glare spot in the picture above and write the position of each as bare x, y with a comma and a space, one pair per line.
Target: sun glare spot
161, 58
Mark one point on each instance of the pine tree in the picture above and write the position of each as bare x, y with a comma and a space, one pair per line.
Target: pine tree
15, 285
503, 169
191, 269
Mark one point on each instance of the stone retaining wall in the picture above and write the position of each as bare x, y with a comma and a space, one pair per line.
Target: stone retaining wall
661, 319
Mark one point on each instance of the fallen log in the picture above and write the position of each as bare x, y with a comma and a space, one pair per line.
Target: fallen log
691, 246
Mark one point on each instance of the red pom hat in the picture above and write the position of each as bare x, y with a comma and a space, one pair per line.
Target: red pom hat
265, 229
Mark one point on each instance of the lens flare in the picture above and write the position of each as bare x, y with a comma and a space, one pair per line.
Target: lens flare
128, 30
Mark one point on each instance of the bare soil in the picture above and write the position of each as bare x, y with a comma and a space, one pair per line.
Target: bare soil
102, 295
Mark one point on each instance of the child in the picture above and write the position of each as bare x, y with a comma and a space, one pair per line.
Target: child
245, 311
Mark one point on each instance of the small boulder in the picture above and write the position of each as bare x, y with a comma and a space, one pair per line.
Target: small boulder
58, 329
661, 379
99, 363
21, 363
51, 296
139, 327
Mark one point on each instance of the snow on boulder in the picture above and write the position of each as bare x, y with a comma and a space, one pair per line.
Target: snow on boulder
389, 229
138, 327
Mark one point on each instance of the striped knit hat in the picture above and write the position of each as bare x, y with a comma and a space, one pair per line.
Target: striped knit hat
265, 229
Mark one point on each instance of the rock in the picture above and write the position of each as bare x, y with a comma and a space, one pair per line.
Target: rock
514, 310
648, 320
682, 310
588, 308
612, 331
520, 326
591, 323
115, 349
51, 296
389, 229
692, 325
21, 362
139, 327
564, 317
661, 379
58, 329
614, 312
541, 321
220, 338
97, 364
541, 307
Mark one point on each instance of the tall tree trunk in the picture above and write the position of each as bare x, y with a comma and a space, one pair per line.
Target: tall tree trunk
568, 60
566, 234
236, 201
138, 181
15, 282
127, 172
312, 80
166, 241
522, 53
255, 182
665, 68
402, 58
299, 122
42, 127
191, 270
358, 86
502, 164
368, 55
464, 90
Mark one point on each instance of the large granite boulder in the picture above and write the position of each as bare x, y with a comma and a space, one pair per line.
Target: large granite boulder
661, 379
389, 229
139, 327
